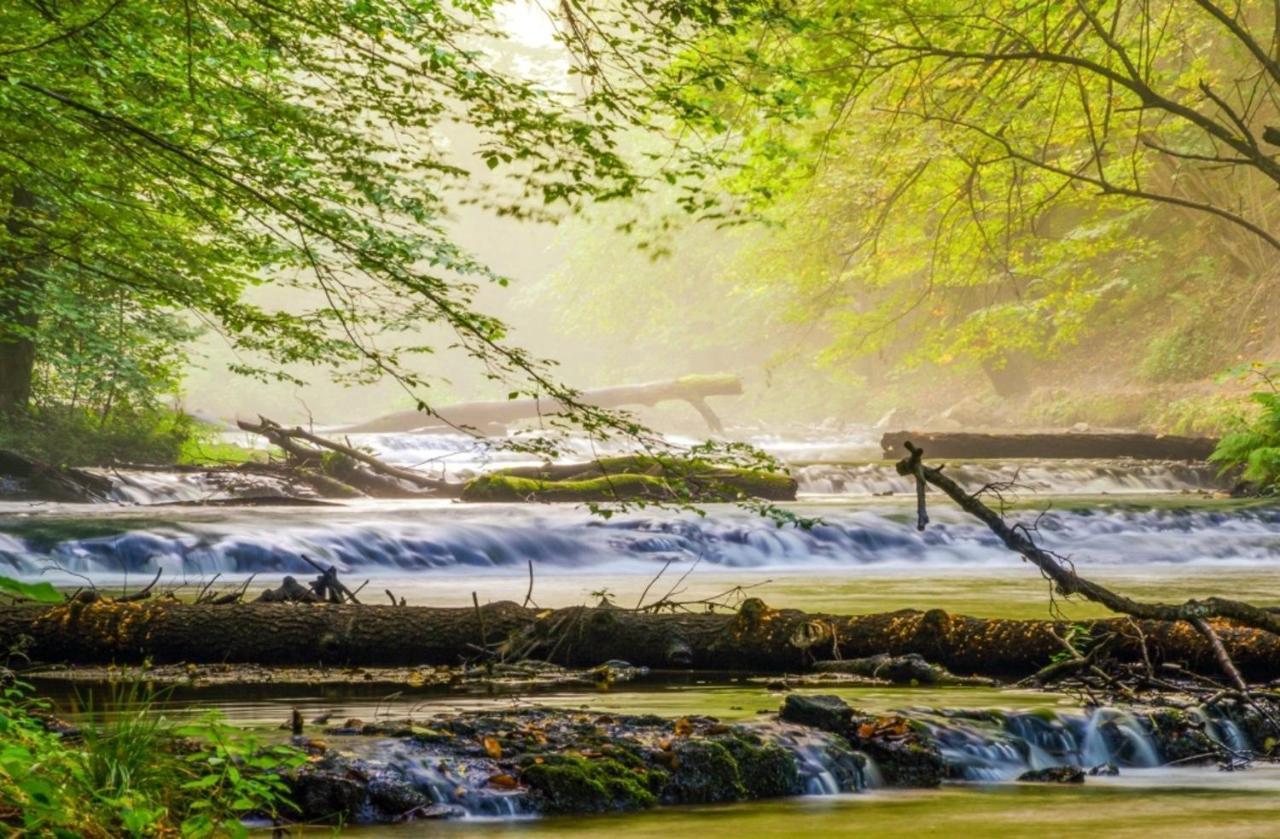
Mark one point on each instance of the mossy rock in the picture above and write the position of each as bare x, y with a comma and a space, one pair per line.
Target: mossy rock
766, 770
573, 784
630, 477
704, 772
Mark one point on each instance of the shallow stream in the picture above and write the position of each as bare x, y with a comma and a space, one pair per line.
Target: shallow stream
1150, 530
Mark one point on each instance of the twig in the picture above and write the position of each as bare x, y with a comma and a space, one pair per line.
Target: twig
645, 593
528, 595
484, 635
332, 574
1220, 653
144, 593
205, 588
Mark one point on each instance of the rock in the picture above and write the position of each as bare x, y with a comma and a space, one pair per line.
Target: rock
1108, 770
327, 791
704, 773
1054, 775
830, 713
905, 754
766, 770
573, 784
397, 799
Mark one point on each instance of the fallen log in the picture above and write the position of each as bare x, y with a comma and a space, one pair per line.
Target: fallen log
1049, 445
480, 416
653, 477
756, 638
347, 466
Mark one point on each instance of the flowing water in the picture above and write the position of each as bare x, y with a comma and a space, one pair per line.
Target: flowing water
1151, 529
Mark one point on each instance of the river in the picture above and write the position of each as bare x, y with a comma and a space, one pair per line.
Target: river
1149, 529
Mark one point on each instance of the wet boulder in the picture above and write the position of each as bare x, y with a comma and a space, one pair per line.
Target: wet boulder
703, 772
824, 711
564, 783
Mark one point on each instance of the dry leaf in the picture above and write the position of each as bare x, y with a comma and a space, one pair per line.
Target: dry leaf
683, 727
503, 781
492, 748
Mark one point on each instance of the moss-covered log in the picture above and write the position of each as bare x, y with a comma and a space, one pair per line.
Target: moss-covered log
756, 638
630, 476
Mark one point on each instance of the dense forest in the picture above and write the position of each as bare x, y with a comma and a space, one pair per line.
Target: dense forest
467, 297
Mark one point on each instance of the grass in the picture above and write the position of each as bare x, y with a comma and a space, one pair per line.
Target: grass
131, 771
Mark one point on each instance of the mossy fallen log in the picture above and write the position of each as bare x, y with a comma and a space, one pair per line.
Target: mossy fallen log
756, 638
630, 477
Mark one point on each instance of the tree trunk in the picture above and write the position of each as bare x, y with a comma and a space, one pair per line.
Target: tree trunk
483, 415
946, 444
20, 287
756, 638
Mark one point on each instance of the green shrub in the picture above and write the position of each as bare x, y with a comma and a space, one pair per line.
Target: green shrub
133, 772
79, 437
1183, 355
1255, 447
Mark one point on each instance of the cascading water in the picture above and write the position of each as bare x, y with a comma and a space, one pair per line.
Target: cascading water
467, 539
824, 763
840, 466
1048, 477
990, 747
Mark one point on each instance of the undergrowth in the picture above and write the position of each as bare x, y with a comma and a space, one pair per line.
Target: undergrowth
132, 771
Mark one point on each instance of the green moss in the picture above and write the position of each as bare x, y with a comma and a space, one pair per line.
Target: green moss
627, 477
704, 772
572, 784
511, 488
766, 770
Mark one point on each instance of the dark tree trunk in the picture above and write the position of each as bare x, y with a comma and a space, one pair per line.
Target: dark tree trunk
20, 287
756, 639
960, 444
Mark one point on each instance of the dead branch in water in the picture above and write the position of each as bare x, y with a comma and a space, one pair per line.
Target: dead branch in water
1067, 582
359, 470
1063, 575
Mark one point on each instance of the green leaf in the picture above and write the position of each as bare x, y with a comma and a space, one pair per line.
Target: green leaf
39, 592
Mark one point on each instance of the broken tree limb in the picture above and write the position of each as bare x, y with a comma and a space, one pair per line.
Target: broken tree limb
1063, 575
479, 415
758, 639
373, 479
1088, 444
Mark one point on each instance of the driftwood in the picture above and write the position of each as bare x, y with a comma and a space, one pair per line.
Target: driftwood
756, 638
349, 470
484, 416
1063, 445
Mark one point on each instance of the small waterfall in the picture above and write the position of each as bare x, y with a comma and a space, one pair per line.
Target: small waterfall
461, 539
1000, 748
827, 766
458, 782
1222, 730
825, 763
1044, 477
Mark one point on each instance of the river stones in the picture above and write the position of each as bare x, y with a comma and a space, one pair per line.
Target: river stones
1054, 775
902, 750
824, 711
